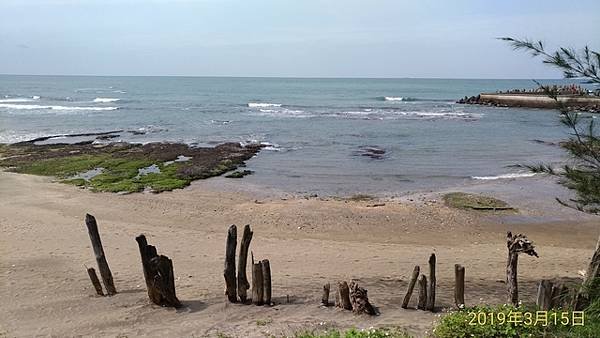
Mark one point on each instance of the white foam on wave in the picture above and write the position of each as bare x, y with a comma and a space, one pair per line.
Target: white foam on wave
504, 176
263, 104
105, 100
19, 99
60, 108
393, 98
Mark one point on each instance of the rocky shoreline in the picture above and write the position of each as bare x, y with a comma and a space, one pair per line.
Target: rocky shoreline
121, 166
590, 104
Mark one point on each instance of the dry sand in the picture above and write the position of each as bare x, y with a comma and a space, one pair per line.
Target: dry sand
44, 247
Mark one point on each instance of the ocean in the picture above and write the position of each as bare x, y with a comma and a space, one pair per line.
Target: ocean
321, 136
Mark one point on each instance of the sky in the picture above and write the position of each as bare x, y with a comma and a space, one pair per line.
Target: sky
303, 38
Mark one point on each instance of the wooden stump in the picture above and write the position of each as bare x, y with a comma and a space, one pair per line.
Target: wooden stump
516, 245
105, 273
158, 274
229, 271
360, 301
344, 296
459, 286
257, 284
266, 273
432, 284
411, 286
593, 270
422, 304
325, 296
95, 281
544, 295
242, 279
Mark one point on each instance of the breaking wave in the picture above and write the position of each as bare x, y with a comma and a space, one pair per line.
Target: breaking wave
19, 99
263, 105
60, 108
105, 100
504, 176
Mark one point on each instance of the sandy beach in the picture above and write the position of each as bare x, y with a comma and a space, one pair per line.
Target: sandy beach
309, 240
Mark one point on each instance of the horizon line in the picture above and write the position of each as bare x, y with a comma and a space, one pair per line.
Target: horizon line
291, 77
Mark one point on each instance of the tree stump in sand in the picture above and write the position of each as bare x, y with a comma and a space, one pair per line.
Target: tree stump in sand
159, 276
422, 304
257, 284
266, 273
459, 285
411, 286
105, 273
360, 301
516, 245
344, 296
229, 271
432, 283
242, 279
325, 296
95, 281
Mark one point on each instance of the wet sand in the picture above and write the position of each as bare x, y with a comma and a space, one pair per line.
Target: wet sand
309, 241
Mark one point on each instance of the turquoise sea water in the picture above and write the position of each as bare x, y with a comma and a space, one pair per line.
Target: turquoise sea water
332, 136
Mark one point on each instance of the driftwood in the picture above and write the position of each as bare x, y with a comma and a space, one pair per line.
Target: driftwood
360, 301
229, 271
516, 245
266, 274
411, 286
325, 296
242, 279
432, 283
95, 281
158, 273
257, 283
344, 296
422, 304
105, 273
459, 285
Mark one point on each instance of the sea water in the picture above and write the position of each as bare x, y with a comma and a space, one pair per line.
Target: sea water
324, 136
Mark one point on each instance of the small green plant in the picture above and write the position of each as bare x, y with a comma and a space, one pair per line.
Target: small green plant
357, 333
263, 322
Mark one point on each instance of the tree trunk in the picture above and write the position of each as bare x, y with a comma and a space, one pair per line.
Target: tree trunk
432, 283
325, 297
266, 272
411, 286
344, 295
95, 281
593, 270
459, 286
105, 273
242, 279
516, 244
257, 284
229, 271
360, 301
422, 293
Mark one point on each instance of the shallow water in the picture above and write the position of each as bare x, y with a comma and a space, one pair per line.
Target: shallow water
334, 136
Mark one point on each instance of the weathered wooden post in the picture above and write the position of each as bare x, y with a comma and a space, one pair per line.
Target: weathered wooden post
593, 270
325, 296
105, 273
544, 295
229, 271
411, 286
344, 296
158, 274
432, 283
459, 285
242, 279
266, 273
516, 245
422, 304
95, 281
360, 301
257, 284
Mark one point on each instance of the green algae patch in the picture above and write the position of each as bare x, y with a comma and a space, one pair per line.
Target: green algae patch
239, 174
463, 200
124, 167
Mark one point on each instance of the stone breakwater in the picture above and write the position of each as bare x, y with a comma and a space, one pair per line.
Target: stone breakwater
579, 103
